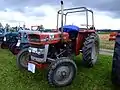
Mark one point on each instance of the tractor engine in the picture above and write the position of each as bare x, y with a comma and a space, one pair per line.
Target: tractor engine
45, 47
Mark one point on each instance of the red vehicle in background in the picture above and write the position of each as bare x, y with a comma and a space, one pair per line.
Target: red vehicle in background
112, 36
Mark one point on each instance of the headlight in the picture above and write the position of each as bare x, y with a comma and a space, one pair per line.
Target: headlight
29, 49
4, 38
36, 50
40, 51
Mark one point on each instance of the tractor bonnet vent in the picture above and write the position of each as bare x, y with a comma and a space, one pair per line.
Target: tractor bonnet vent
34, 38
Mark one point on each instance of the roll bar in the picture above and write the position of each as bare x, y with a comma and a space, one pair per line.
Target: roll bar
78, 9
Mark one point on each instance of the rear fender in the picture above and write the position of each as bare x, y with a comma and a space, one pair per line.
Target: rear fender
81, 38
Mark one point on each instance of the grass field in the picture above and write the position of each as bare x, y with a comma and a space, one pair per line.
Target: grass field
105, 43
96, 78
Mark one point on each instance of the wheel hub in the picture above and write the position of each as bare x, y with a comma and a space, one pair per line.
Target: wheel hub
62, 73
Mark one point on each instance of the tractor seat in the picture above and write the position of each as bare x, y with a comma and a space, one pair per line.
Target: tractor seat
72, 30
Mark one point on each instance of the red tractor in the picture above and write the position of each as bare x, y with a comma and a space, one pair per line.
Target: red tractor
54, 49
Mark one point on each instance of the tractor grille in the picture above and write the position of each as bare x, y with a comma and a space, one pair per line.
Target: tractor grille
37, 46
37, 56
34, 38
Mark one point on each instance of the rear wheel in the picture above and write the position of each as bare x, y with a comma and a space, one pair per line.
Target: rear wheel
62, 72
90, 50
22, 59
9, 46
4, 45
14, 49
116, 63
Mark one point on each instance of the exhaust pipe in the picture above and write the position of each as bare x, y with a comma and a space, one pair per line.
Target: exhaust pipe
62, 20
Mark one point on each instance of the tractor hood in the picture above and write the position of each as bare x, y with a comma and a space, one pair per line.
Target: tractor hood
11, 34
46, 37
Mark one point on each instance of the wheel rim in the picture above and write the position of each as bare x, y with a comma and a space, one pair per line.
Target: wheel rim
24, 59
94, 53
63, 74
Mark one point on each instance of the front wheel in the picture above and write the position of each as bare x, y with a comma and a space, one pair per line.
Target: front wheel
62, 72
22, 59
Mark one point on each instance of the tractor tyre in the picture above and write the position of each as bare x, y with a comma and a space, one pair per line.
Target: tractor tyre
9, 46
61, 72
14, 49
115, 76
90, 50
4, 45
22, 59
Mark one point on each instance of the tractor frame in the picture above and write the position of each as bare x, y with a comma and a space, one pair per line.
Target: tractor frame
54, 50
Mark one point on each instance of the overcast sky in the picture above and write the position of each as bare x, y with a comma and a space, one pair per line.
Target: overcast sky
36, 12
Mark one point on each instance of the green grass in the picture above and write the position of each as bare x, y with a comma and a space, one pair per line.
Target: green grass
96, 78
103, 32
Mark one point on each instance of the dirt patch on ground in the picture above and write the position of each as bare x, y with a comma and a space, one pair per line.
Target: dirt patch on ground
104, 36
105, 43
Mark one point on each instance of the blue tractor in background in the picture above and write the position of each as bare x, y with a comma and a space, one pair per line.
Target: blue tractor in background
22, 41
1, 35
8, 36
17, 39
22, 38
